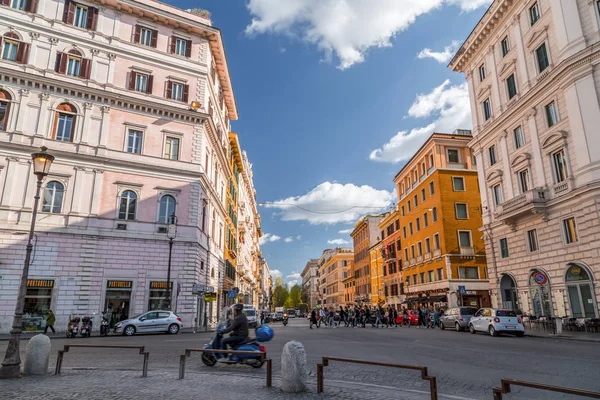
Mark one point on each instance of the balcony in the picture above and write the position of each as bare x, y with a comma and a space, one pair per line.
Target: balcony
531, 202
437, 253
413, 261
427, 256
467, 251
455, 165
419, 259
405, 264
561, 188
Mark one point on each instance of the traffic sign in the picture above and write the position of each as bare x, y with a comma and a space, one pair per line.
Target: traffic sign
462, 290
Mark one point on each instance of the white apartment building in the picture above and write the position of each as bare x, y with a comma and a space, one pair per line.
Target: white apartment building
533, 71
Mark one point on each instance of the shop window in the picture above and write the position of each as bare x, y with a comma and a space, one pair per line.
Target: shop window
140, 82
468, 273
64, 123
539, 293
177, 91
157, 299
167, 207
73, 64
581, 292
5, 100
53, 197
145, 36
80, 15
127, 205
180, 47
38, 301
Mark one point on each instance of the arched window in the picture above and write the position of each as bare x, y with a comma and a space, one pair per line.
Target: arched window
581, 292
64, 123
4, 109
539, 289
166, 208
53, 197
73, 63
13, 49
127, 205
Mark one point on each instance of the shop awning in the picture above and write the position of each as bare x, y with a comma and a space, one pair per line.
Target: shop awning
410, 300
436, 299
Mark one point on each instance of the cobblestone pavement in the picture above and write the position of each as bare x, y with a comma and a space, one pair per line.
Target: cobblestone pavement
466, 366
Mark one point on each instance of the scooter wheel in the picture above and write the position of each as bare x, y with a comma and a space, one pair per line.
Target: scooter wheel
257, 364
209, 359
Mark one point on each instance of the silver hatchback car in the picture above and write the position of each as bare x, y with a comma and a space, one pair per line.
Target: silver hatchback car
150, 322
457, 318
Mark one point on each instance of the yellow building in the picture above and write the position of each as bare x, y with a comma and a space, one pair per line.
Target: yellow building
231, 235
391, 279
332, 273
443, 254
364, 236
377, 265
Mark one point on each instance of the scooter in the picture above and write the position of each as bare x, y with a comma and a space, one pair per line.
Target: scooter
250, 344
73, 326
285, 319
86, 327
104, 325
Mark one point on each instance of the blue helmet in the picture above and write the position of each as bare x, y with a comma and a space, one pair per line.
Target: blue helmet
264, 333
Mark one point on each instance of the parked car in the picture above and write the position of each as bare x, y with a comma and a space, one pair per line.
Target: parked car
413, 317
278, 316
150, 322
496, 321
457, 318
250, 313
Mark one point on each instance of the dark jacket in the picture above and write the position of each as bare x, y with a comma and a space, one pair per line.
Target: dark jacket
238, 327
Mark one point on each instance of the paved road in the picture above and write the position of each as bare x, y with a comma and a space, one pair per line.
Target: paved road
465, 365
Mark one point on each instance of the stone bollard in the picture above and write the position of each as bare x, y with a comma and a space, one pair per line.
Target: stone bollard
293, 368
38, 355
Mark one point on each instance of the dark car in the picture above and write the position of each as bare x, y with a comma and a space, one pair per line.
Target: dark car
457, 318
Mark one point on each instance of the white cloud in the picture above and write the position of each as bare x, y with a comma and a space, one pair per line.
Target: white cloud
332, 25
450, 107
275, 273
290, 284
294, 275
331, 203
338, 241
442, 57
298, 237
288, 239
282, 50
267, 237
346, 231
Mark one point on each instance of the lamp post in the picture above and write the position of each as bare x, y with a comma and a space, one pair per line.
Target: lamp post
171, 234
11, 366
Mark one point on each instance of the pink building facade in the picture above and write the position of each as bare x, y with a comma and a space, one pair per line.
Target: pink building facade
134, 99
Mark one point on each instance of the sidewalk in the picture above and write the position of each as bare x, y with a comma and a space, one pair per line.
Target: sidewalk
62, 335
99, 384
566, 335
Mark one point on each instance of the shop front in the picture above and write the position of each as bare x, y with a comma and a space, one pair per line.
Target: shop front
157, 298
118, 299
38, 301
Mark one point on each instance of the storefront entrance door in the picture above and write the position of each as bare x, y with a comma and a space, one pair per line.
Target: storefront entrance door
118, 297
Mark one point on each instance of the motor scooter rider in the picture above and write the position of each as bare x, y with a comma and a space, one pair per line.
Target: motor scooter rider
238, 328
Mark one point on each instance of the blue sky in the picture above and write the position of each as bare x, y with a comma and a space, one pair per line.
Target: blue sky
333, 98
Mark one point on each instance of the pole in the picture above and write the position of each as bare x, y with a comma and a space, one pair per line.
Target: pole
169, 276
11, 366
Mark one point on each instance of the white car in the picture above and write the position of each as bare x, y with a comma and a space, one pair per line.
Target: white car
495, 321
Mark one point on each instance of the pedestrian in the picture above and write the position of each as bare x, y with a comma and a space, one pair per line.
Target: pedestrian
50, 320
436, 319
421, 316
350, 316
405, 317
313, 318
367, 317
426, 317
323, 316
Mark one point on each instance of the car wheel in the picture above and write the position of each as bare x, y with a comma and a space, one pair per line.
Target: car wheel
129, 330
520, 334
457, 327
442, 327
492, 331
472, 329
173, 329
209, 359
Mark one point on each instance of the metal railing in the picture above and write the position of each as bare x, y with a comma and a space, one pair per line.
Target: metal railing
423, 370
506, 383
59, 359
263, 357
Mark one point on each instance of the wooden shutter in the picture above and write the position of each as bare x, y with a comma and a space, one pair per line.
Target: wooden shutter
149, 84
31, 6
169, 90
92, 18
23, 53
86, 68
69, 14
188, 48
154, 38
64, 59
173, 44
131, 83
58, 60
138, 31
186, 90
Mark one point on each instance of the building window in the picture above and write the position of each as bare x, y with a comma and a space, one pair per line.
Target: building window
38, 301
492, 152
402, 211
64, 123
418, 224
559, 166
551, 114
72, 63
414, 279
427, 245
453, 156
409, 207
404, 232
145, 36
172, 148
412, 251
416, 200
524, 180
458, 183
81, 12
534, 13
487, 109
461, 211
519, 137
425, 220
570, 230
134, 141
405, 254
410, 228
436, 241
532, 240
177, 91
13, 49
419, 249
504, 248
481, 72
53, 197
468, 273
431, 188
17, 4
505, 44
440, 274
511, 85
423, 194
541, 55
431, 276
80, 15
464, 239
127, 205
5, 99
434, 216
166, 208
181, 47
497, 194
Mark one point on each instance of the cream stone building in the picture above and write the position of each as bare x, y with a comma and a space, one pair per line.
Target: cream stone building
310, 281
533, 72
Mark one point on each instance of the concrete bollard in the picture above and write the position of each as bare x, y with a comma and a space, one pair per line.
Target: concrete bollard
294, 370
38, 355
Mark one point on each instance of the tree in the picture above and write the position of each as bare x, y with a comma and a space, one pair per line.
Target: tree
280, 293
295, 295
305, 296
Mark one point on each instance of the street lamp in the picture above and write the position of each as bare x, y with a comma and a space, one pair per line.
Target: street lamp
11, 366
171, 234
